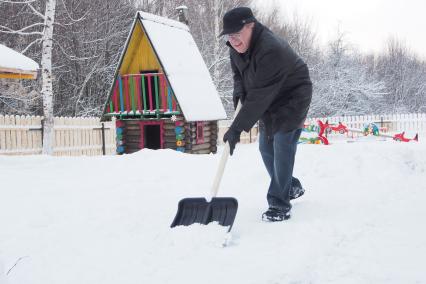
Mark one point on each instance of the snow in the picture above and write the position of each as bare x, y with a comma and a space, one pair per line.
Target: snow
106, 219
185, 68
11, 59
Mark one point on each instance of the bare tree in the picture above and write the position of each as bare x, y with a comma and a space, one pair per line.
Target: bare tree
405, 77
43, 29
206, 23
344, 87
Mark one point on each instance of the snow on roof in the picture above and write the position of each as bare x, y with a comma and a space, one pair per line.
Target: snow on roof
184, 67
15, 61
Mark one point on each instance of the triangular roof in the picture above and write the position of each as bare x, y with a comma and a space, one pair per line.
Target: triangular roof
16, 65
183, 66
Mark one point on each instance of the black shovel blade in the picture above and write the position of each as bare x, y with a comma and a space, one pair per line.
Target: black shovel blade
197, 210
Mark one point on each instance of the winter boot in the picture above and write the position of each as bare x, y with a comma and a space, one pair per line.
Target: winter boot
296, 192
274, 214
296, 189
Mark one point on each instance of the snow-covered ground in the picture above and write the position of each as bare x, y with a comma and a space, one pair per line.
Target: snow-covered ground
106, 220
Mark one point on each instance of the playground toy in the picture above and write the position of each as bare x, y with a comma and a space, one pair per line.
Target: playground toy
369, 129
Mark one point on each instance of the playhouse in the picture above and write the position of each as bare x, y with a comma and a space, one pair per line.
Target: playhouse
14, 65
162, 95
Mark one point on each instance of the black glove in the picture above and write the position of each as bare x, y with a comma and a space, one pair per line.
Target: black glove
232, 136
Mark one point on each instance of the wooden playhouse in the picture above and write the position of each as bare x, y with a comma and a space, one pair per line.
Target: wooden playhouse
162, 95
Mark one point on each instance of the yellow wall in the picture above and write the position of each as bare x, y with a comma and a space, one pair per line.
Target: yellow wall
139, 55
16, 76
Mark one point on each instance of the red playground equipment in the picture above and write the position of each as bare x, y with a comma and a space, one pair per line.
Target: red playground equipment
327, 128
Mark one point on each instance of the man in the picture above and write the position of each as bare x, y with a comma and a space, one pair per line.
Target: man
273, 84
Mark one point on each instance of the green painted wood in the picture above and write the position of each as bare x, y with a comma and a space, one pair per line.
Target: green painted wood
143, 92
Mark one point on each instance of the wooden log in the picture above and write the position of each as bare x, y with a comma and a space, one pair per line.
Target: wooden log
131, 151
170, 140
194, 130
131, 145
169, 127
131, 122
192, 135
198, 147
169, 133
132, 139
170, 136
133, 128
200, 152
213, 149
213, 125
170, 145
132, 132
207, 139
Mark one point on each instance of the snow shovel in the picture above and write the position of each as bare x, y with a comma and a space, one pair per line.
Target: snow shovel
218, 209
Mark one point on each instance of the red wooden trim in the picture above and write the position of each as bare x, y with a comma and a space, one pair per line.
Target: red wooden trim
115, 96
141, 126
119, 123
149, 92
126, 93
162, 92
138, 92
173, 102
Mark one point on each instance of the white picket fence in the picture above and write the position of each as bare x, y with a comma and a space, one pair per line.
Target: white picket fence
22, 135
414, 122
392, 123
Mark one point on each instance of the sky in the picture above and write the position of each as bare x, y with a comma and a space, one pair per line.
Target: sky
366, 23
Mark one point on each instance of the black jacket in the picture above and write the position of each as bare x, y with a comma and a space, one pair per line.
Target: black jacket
272, 82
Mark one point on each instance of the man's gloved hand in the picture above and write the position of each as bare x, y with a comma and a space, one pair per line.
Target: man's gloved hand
232, 136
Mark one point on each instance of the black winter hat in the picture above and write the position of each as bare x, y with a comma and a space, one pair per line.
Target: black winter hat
235, 19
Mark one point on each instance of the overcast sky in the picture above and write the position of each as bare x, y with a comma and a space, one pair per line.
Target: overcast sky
367, 23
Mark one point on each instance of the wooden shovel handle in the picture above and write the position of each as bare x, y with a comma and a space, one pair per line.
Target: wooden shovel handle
222, 163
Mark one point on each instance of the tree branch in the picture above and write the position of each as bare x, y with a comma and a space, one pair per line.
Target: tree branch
17, 2
28, 46
36, 12
20, 32
69, 15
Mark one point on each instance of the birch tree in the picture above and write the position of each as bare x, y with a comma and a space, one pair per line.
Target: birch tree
46, 73
44, 31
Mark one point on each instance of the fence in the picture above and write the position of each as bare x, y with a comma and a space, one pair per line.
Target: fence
22, 135
145, 95
246, 137
415, 123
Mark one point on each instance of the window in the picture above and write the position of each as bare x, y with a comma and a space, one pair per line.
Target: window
200, 132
